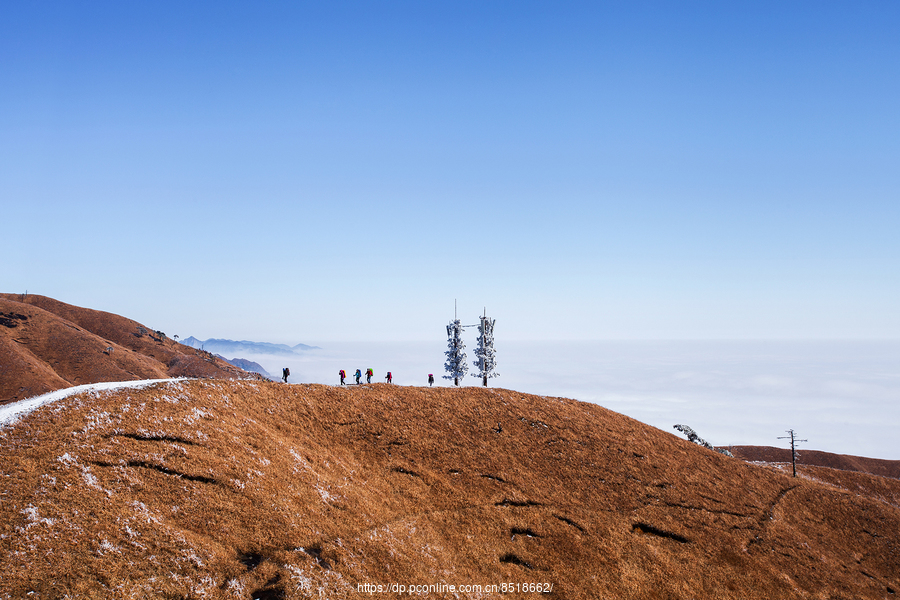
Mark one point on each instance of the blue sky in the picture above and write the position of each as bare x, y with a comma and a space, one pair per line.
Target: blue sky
295, 172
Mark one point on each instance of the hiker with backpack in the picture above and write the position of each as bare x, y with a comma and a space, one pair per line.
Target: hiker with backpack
430, 379
342, 374
388, 378
358, 374
285, 373
369, 373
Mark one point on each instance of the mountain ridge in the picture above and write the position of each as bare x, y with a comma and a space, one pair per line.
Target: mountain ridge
232, 347
249, 366
47, 345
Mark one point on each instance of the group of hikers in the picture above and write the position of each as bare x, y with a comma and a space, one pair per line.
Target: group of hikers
369, 375
285, 373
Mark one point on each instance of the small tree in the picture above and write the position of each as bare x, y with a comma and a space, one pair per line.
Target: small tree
693, 437
455, 366
486, 356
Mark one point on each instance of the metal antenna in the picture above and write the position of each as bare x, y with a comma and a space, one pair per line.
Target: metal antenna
483, 319
793, 448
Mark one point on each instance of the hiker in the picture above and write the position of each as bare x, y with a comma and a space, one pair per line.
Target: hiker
430, 379
342, 374
388, 378
358, 374
369, 373
285, 373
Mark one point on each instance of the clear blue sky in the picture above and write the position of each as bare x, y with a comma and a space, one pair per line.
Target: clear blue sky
295, 172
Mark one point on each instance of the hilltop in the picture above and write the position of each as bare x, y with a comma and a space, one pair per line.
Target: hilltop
47, 345
240, 489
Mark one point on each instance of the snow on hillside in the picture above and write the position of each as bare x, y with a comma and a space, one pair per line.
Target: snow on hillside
10, 413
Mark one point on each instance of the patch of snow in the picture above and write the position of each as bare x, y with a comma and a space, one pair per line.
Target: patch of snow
207, 585
196, 415
34, 518
189, 554
235, 588
10, 413
67, 459
142, 510
96, 419
302, 582
298, 460
326, 497
89, 478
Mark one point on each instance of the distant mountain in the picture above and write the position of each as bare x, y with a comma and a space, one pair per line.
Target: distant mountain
244, 347
192, 342
249, 366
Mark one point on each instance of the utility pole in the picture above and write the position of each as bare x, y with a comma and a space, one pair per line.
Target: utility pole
794, 441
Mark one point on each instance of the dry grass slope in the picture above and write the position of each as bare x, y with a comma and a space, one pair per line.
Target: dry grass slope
238, 489
817, 458
47, 345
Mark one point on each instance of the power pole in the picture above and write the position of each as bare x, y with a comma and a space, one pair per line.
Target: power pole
794, 441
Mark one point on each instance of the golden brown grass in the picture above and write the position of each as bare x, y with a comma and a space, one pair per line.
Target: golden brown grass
817, 458
237, 489
47, 345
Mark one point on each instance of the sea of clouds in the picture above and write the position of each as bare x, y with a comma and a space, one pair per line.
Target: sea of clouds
842, 396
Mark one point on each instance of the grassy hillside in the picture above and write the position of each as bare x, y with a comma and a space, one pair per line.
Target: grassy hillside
47, 345
817, 458
238, 489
